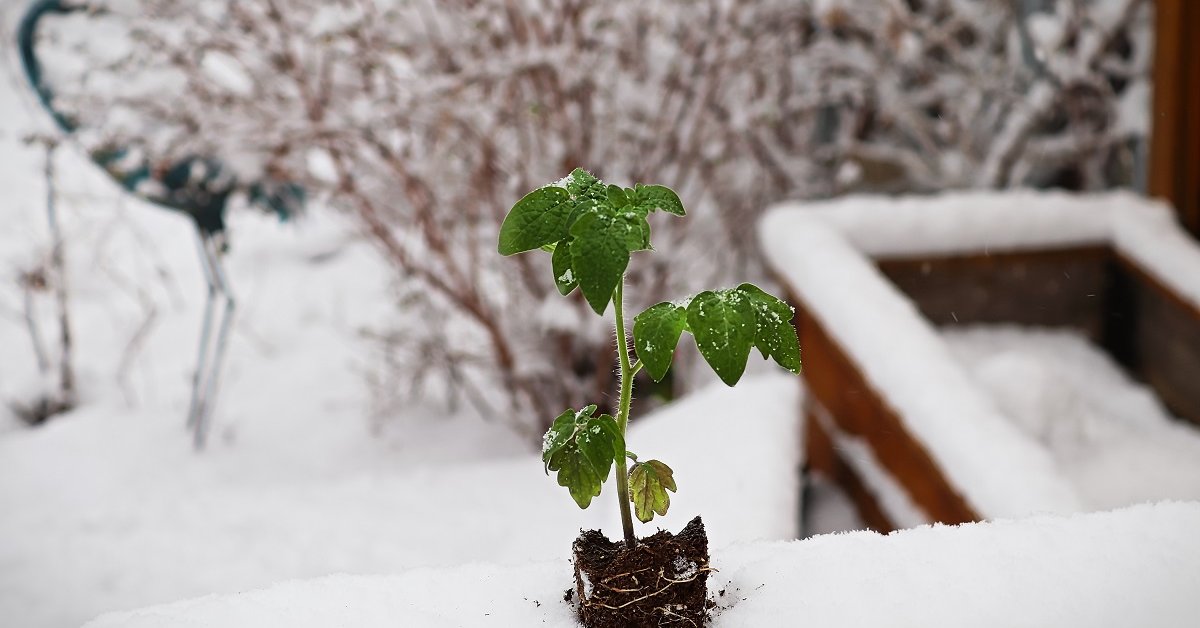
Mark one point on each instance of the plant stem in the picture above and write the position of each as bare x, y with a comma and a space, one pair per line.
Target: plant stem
623, 413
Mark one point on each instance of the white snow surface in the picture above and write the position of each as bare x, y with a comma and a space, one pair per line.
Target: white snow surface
973, 221
107, 511
1109, 435
1134, 567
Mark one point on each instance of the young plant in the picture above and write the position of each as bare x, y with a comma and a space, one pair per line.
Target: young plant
590, 230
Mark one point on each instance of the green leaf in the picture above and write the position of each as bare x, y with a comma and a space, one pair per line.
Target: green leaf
585, 206
656, 332
648, 485
661, 197
581, 448
774, 334
638, 238
617, 197
560, 263
599, 255
584, 185
538, 219
723, 324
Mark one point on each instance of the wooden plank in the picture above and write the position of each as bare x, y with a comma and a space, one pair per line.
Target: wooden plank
823, 457
1187, 167
859, 410
1175, 110
1045, 288
1155, 333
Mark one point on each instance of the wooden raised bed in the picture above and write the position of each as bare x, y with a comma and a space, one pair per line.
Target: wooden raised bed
1098, 288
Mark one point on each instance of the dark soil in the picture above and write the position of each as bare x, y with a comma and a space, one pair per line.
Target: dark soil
661, 581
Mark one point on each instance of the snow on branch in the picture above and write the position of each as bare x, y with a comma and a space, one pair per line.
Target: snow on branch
425, 120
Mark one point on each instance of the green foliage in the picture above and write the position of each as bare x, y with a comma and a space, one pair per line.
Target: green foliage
582, 449
725, 324
656, 331
536, 220
590, 230
653, 197
599, 254
649, 482
774, 334
560, 263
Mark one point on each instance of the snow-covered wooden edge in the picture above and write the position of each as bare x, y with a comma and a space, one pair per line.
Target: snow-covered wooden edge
823, 250
1138, 566
1143, 230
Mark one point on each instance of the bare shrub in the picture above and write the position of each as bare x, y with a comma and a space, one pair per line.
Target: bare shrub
426, 120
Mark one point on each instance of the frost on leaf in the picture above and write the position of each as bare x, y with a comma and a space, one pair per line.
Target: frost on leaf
656, 332
649, 482
581, 448
723, 324
774, 334
584, 185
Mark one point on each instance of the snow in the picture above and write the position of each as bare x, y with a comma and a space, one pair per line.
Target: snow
1134, 567
1141, 229
117, 512
1109, 435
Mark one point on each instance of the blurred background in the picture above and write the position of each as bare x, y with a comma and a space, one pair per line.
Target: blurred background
374, 400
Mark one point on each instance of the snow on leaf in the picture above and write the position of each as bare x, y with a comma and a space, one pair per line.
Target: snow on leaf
774, 334
723, 325
649, 482
539, 218
583, 185
656, 332
560, 263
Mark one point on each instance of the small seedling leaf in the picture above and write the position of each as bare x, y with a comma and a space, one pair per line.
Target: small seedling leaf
560, 263
599, 255
584, 185
649, 482
774, 334
581, 448
723, 324
638, 236
538, 219
654, 197
617, 197
656, 332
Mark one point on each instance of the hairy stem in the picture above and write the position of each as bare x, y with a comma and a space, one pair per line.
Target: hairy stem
623, 413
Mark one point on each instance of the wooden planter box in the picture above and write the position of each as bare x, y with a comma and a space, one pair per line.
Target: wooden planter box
1104, 275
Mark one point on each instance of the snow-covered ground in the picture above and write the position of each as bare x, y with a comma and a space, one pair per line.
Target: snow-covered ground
1134, 567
